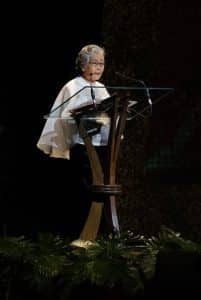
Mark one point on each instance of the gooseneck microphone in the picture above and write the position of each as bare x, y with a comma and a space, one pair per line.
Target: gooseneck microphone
142, 83
147, 93
93, 93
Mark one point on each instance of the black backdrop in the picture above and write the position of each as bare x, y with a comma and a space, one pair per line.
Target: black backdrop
39, 47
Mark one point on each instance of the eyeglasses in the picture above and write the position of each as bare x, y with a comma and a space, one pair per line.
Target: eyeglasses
94, 63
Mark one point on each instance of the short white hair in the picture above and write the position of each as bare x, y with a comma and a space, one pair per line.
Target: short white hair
85, 54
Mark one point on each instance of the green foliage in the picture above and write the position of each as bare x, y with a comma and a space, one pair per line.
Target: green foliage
107, 262
169, 240
53, 267
15, 247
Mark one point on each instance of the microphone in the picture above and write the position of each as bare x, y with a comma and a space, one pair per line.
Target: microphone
148, 94
93, 93
141, 82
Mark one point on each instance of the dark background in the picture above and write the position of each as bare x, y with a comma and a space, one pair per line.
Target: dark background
39, 48
159, 43
159, 164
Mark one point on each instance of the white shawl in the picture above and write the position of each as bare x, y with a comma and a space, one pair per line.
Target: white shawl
60, 132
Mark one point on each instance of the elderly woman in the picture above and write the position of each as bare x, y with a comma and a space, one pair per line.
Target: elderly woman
60, 133
60, 137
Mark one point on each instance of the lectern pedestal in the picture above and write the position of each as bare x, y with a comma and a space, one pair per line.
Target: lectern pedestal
104, 177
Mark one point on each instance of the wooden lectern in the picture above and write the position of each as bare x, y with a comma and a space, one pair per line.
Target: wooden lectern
104, 183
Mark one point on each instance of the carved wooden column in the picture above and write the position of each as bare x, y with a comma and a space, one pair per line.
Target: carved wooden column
104, 177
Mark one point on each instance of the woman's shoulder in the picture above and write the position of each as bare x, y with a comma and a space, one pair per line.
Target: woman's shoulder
98, 83
72, 82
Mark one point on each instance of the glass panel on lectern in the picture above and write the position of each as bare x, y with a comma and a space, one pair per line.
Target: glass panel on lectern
140, 101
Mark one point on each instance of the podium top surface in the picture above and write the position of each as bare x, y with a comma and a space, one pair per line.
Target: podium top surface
70, 119
86, 110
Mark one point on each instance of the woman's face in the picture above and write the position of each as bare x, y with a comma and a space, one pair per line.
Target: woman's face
94, 69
